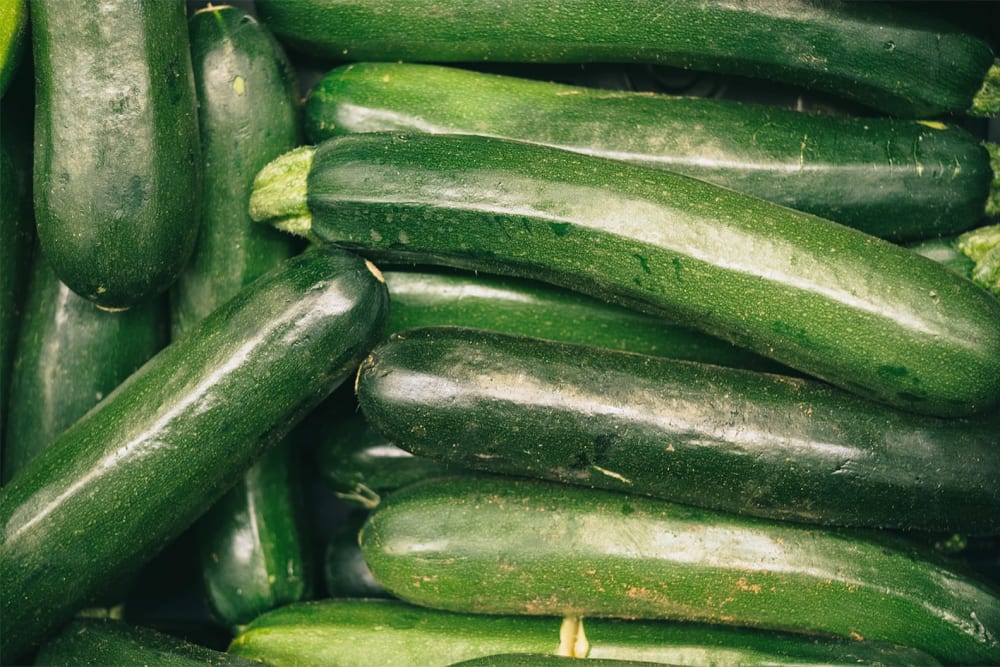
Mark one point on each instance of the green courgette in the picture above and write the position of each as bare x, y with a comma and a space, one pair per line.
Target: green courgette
253, 551
974, 254
548, 660
343, 633
900, 180
891, 58
829, 301
727, 439
137, 470
103, 643
510, 546
345, 573
70, 355
117, 171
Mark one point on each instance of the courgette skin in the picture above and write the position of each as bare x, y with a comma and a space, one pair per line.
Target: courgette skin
70, 355
511, 546
99, 643
252, 551
117, 170
533, 308
899, 180
726, 439
829, 301
341, 633
132, 474
879, 54
544, 660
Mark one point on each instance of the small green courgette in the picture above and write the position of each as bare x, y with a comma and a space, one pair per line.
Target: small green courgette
899, 180
347, 633
829, 301
889, 57
137, 470
508, 546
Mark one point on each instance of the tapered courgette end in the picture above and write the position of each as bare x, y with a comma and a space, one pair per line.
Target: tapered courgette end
986, 102
982, 246
279, 192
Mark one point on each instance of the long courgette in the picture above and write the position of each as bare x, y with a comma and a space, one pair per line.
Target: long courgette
829, 301
899, 180
117, 171
133, 473
732, 440
507, 546
889, 57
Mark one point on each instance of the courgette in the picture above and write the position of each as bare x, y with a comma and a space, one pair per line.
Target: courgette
974, 254
511, 546
253, 551
547, 660
345, 573
341, 633
137, 470
117, 171
829, 301
70, 355
727, 439
900, 180
101, 643
888, 57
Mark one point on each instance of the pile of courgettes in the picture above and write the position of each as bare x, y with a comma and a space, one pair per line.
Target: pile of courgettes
343, 333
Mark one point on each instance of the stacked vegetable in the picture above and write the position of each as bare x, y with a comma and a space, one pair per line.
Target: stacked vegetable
643, 378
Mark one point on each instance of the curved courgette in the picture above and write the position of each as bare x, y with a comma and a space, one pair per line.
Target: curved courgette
829, 301
508, 546
348, 632
899, 180
888, 57
722, 438
168, 442
252, 551
117, 170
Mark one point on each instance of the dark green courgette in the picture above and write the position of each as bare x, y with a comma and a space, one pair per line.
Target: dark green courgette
889, 57
168, 442
342, 633
345, 573
543, 660
117, 170
70, 355
899, 180
100, 643
727, 439
511, 546
829, 301
253, 552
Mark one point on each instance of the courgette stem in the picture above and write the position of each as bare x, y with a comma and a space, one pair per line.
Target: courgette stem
993, 199
986, 102
279, 192
982, 246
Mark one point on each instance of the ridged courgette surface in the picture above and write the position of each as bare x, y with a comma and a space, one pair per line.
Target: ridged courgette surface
899, 180
884, 55
829, 301
123, 481
507, 546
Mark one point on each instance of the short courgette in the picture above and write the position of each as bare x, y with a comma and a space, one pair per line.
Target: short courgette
892, 58
137, 470
829, 301
899, 180
508, 546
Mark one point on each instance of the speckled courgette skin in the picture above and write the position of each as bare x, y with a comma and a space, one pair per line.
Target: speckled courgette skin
117, 171
132, 474
880, 54
511, 546
728, 439
829, 301
895, 179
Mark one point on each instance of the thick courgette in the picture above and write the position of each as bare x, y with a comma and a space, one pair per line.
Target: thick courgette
343, 633
70, 355
892, 58
117, 171
829, 301
134, 472
899, 180
508, 546
727, 439
253, 551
